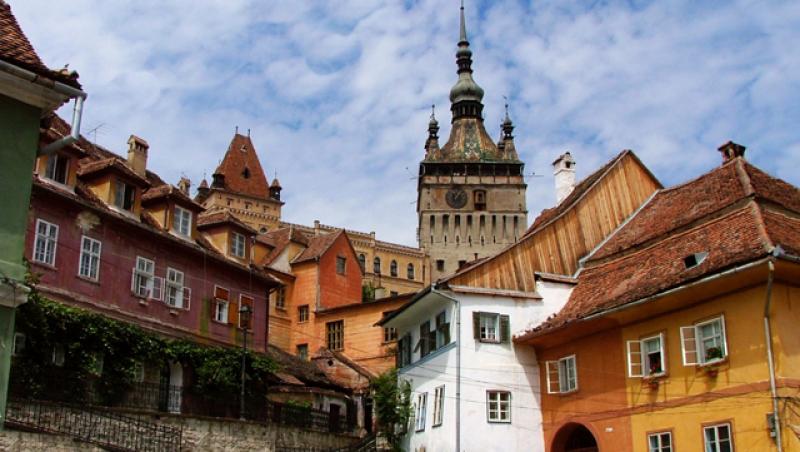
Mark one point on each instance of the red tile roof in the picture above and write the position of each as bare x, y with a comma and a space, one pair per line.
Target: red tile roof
90, 167
242, 169
721, 213
317, 246
170, 191
207, 219
17, 50
278, 240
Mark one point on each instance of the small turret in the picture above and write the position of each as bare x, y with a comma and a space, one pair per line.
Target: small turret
432, 143
275, 189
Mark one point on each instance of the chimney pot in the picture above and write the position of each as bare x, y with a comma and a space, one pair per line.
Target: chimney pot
316, 227
731, 150
137, 155
564, 171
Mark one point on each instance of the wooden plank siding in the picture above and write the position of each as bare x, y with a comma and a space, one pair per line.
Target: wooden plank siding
558, 245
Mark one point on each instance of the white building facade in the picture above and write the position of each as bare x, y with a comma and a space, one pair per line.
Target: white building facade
472, 389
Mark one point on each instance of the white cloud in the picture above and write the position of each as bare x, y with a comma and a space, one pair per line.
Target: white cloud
337, 94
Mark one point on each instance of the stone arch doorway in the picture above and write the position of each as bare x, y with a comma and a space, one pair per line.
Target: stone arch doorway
574, 437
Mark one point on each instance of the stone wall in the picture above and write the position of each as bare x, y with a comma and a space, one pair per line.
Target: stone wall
198, 435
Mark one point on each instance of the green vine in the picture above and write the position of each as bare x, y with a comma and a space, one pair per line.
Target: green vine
392, 407
108, 352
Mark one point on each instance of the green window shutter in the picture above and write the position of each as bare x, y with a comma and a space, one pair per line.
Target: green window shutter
505, 329
476, 325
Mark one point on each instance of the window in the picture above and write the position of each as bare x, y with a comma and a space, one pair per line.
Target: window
58, 356
410, 271
124, 195
221, 304
404, 351
422, 402
498, 406
461, 264
302, 313
718, 438
177, 294
362, 261
393, 268
280, 298
659, 442
376, 265
425, 345
480, 199
89, 264
646, 357
335, 335
341, 261
246, 322
440, 265
704, 342
19, 344
562, 375
237, 244
442, 330
490, 327
389, 334
182, 222
144, 283
438, 406
57, 168
44, 249
302, 351
693, 260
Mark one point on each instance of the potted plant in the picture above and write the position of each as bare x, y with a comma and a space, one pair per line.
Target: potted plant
713, 355
653, 375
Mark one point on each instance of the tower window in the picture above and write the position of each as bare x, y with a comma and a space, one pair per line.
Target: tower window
480, 199
246, 173
376, 265
393, 268
440, 265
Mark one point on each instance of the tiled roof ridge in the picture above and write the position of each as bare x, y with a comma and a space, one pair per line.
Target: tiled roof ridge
366, 235
221, 216
310, 253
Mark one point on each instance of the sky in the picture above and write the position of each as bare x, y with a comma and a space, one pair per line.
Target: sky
337, 94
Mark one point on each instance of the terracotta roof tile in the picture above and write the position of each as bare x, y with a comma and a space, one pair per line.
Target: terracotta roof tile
206, 219
278, 240
242, 169
170, 191
90, 167
783, 230
16, 49
317, 246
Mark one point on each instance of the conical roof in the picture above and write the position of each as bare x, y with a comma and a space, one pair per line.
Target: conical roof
242, 169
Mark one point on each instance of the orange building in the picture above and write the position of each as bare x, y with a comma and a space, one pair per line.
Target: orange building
681, 332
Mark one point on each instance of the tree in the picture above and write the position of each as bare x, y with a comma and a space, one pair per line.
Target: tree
392, 407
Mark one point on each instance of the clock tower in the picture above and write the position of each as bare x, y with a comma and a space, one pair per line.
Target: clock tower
471, 191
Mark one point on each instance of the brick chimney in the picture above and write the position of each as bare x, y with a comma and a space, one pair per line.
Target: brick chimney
564, 171
137, 155
731, 150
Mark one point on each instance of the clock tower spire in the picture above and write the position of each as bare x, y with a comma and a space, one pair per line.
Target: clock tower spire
470, 192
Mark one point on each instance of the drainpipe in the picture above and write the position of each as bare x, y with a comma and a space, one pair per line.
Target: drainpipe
458, 366
61, 88
770, 358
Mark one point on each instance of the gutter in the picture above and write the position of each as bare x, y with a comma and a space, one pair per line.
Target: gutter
61, 88
458, 365
770, 357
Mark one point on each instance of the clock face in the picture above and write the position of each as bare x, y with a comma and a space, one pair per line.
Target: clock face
456, 198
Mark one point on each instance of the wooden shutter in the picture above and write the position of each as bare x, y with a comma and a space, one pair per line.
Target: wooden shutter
233, 312
248, 301
551, 370
635, 366
505, 328
476, 325
689, 345
724, 336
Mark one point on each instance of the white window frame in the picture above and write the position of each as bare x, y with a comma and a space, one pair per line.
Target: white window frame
182, 221
438, 406
558, 375
692, 348
422, 408
280, 298
638, 357
177, 295
121, 189
55, 157
303, 309
46, 243
143, 277
659, 445
389, 334
238, 245
502, 411
490, 327
89, 260
221, 310
715, 443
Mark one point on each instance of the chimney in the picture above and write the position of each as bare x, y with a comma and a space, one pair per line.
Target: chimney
316, 228
564, 171
137, 155
184, 185
731, 150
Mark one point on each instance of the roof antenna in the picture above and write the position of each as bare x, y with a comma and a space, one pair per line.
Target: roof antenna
237, 130
248, 133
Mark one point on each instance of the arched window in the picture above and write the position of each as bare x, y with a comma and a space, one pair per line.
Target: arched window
410, 271
393, 268
362, 261
376, 265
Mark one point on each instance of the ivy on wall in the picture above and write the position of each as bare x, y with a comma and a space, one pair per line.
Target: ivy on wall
392, 407
109, 352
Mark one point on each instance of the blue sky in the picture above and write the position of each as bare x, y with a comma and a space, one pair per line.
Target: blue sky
337, 94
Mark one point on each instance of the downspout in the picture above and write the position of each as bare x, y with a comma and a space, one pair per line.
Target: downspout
61, 88
770, 357
458, 365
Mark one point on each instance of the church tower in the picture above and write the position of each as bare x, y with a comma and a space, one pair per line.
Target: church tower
240, 187
471, 191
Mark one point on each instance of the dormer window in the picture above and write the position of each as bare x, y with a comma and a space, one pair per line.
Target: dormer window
237, 245
182, 221
693, 260
57, 168
125, 195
